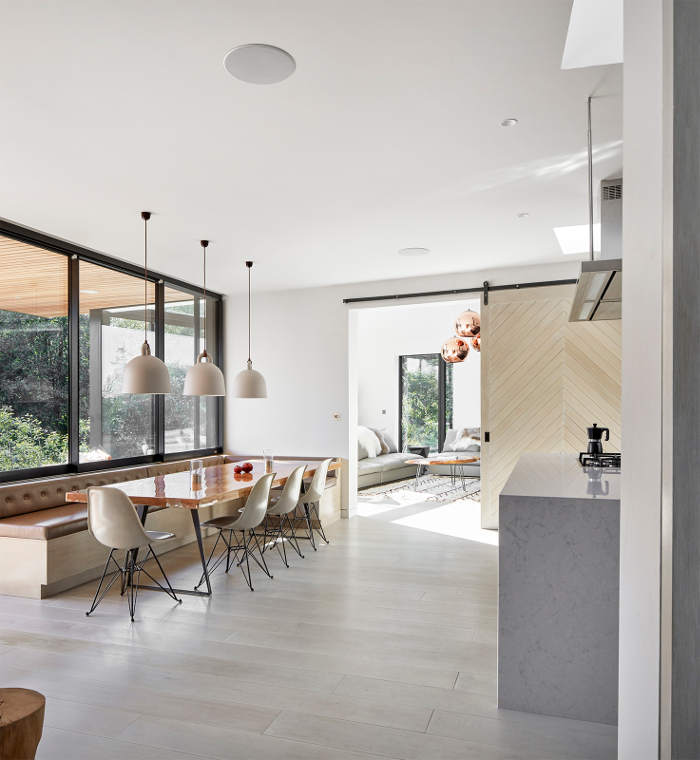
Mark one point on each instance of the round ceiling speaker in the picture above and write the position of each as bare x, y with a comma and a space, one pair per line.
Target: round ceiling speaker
468, 324
258, 63
455, 350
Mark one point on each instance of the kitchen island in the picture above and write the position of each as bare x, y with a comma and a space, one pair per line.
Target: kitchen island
559, 548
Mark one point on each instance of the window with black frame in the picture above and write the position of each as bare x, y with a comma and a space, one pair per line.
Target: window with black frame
425, 401
190, 421
69, 323
34, 422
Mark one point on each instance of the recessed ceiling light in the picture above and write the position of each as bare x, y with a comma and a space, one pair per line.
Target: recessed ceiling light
575, 239
523, 214
413, 251
258, 63
90, 292
510, 122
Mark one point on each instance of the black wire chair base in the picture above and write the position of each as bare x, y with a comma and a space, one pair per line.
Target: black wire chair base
245, 547
130, 576
308, 510
279, 536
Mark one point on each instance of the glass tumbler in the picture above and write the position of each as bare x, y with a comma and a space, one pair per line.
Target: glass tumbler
267, 458
197, 474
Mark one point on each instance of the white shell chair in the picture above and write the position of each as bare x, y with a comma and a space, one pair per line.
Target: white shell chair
311, 498
280, 507
113, 521
245, 523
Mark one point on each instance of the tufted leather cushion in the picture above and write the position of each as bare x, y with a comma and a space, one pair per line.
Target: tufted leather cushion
38, 509
165, 468
32, 495
46, 523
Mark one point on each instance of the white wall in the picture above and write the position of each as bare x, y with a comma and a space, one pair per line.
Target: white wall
386, 333
301, 343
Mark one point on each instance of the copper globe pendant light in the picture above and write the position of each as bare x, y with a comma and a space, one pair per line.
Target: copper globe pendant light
204, 378
468, 324
249, 383
145, 373
455, 350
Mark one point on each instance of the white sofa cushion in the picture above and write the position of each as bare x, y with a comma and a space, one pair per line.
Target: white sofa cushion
394, 461
386, 441
451, 437
460, 439
368, 445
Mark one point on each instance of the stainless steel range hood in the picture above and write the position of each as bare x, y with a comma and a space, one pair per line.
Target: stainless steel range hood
599, 288
598, 291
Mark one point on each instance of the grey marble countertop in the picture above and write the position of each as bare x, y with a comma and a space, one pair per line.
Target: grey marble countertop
561, 476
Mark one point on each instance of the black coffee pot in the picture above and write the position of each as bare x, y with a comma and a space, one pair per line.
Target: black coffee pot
595, 439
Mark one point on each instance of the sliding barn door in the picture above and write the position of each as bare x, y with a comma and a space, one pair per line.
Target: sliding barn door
544, 380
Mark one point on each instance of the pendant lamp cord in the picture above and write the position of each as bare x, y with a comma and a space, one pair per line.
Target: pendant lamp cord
145, 279
590, 181
249, 264
204, 288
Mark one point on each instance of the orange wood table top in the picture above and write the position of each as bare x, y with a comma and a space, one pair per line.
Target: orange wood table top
219, 483
428, 462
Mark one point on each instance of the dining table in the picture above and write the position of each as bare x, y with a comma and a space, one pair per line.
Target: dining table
218, 483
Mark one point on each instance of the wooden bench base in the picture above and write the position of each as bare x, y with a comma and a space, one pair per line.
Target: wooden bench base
39, 569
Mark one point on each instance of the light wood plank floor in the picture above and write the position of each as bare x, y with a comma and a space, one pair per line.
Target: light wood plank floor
382, 644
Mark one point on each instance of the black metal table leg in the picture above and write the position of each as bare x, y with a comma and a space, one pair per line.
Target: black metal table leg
142, 512
198, 534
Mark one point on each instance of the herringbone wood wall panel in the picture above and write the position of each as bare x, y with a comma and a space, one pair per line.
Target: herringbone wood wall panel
544, 380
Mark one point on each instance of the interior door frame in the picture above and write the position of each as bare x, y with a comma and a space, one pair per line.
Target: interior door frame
442, 392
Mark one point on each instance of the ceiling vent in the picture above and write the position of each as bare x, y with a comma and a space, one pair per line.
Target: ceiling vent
611, 191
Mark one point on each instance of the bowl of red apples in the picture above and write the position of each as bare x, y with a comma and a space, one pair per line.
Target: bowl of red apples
242, 470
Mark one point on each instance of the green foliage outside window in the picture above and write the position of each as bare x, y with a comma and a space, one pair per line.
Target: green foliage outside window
420, 401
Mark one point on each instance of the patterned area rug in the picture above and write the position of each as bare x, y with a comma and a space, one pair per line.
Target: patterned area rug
432, 487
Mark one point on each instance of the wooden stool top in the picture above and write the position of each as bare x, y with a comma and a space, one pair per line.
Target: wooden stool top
21, 722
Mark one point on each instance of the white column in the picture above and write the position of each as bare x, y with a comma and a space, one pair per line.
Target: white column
647, 218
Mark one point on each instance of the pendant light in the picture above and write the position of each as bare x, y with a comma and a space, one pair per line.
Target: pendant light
455, 349
249, 383
145, 373
204, 378
468, 324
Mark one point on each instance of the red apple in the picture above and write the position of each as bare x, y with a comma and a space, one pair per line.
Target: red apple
237, 469
247, 467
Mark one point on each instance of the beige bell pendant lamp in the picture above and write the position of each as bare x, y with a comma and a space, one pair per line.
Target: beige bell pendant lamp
249, 383
204, 378
145, 373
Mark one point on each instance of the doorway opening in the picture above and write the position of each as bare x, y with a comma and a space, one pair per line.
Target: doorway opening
408, 404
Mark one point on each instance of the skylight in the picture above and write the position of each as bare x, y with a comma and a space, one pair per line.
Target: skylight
574, 239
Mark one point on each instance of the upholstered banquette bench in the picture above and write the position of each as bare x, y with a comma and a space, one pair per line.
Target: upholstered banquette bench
45, 547
44, 544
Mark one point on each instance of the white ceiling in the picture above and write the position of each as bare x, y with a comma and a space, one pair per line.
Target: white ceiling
595, 34
386, 136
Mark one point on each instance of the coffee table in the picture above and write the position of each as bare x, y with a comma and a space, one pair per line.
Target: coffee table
456, 466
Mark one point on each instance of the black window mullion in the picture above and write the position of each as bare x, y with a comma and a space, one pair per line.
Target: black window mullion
73, 360
196, 402
402, 363
219, 400
159, 398
441, 403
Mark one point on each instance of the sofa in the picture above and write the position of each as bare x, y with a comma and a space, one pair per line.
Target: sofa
379, 461
460, 442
